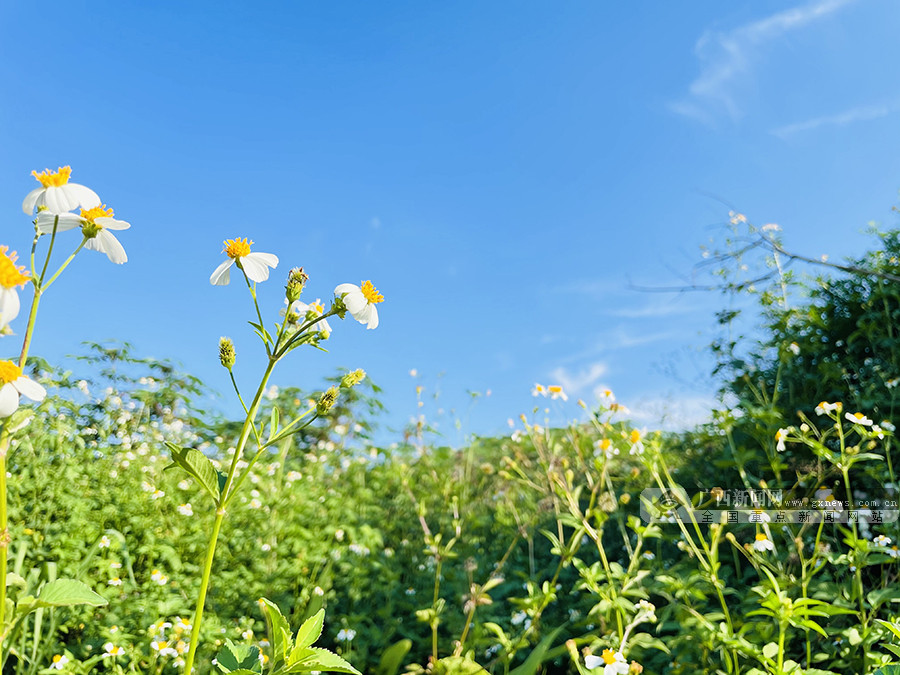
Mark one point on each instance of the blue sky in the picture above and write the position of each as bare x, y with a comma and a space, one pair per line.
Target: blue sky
500, 173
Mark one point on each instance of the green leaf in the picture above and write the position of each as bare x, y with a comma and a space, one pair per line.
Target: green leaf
537, 655
392, 658
307, 634
770, 650
197, 465
894, 628
67, 592
316, 658
234, 658
273, 423
279, 630
890, 669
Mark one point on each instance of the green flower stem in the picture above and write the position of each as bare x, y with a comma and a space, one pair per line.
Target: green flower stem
49, 249
45, 286
299, 334
224, 498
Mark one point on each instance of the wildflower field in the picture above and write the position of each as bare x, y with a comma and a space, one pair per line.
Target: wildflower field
143, 533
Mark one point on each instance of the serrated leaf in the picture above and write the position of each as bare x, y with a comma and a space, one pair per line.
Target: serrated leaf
197, 465
307, 634
68, 592
316, 658
279, 630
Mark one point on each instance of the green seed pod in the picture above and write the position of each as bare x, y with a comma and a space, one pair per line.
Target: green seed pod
226, 352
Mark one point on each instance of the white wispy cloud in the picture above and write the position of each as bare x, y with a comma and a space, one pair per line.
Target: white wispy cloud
726, 56
858, 114
672, 413
573, 383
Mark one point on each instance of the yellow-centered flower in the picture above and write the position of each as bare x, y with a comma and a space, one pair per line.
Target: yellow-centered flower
255, 265
12, 384
360, 301
95, 224
11, 276
57, 194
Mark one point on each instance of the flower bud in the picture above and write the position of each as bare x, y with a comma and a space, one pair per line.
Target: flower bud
352, 379
297, 279
226, 352
329, 398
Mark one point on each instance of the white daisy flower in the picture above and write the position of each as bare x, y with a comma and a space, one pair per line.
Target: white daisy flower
186, 509
112, 650
763, 543
881, 540
58, 194
115, 581
795, 348
780, 437
12, 384
346, 635
858, 418
637, 446
59, 661
360, 302
104, 542
11, 276
255, 265
539, 390
893, 551
311, 312
95, 224
613, 663
556, 392
826, 408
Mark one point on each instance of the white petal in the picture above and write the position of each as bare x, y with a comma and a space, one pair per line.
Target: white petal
105, 242
9, 400
373, 318
67, 221
355, 302
31, 200
591, 661
269, 259
346, 288
221, 275
57, 201
81, 195
9, 305
111, 223
30, 388
255, 268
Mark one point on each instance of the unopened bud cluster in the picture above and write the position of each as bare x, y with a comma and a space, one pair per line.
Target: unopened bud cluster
297, 279
353, 378
327, 401
226, 352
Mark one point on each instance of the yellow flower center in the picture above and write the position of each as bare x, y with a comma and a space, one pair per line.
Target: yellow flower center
605, 443
49, 179
9, 372
761, 537
554, 389
608, 656
57, 658
370, 294
317, 307
237, 248
858, 416
97, 212
635, 436
10, 274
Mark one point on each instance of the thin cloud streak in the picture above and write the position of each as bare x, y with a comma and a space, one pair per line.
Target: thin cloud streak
727, 55
859, 114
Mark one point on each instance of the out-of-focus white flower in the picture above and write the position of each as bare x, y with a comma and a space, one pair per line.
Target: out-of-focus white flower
12, 384
95, 224
763, 543
360, 301
826, 408
311, 312
613, 663
539, 390
637, 446
115, 581
57, 193
255, 265
795, 348
556, 392
346, 635
186, 509
112, 650
858, 418
159, 578
780, 437
59, 661
104, 542
881, 540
